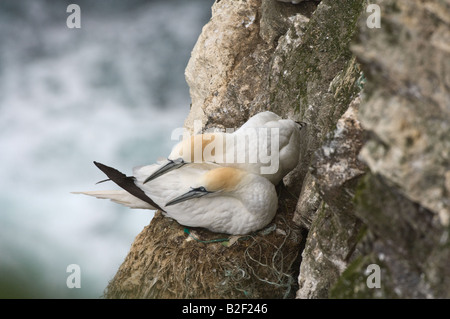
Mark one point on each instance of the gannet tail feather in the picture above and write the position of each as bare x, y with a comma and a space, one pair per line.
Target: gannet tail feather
120, 197
127, 183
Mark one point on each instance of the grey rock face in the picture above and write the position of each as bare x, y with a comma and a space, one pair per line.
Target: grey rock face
404, 201
407, 105
373, 183
335, 230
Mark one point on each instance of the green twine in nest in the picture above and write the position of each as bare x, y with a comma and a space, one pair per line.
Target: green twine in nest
217, 240
361, 81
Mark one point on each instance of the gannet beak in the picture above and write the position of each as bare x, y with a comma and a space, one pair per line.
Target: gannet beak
194, 193
173, 164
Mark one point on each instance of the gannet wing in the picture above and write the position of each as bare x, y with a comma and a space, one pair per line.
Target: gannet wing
127, 183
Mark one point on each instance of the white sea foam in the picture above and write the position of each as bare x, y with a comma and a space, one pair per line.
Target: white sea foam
111, 91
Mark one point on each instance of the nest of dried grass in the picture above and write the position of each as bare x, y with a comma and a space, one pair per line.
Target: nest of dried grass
168, 260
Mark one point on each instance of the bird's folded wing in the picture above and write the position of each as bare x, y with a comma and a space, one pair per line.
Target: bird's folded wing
127, 183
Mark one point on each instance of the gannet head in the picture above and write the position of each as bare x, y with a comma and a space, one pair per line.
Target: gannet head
222, 180
194, 146
195, 149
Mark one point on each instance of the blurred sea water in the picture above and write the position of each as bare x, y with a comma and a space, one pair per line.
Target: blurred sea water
111, 91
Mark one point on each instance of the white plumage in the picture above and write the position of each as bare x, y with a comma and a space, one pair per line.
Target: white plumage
233, 198
221, 199
264, 138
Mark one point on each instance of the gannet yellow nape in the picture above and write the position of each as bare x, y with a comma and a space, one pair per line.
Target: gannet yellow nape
220, 199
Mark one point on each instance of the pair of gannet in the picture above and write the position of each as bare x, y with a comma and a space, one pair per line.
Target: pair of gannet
210, 192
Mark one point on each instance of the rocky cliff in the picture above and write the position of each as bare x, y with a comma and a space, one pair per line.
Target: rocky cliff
373, 182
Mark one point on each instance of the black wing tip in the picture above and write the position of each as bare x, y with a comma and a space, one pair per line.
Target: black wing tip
102, 181
98, 164
111, 172
126, 182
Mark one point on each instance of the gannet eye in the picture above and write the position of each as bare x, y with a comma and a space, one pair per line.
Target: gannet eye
200, 189
193, 193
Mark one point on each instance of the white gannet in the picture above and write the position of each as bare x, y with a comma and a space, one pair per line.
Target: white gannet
283, 146
220, 199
